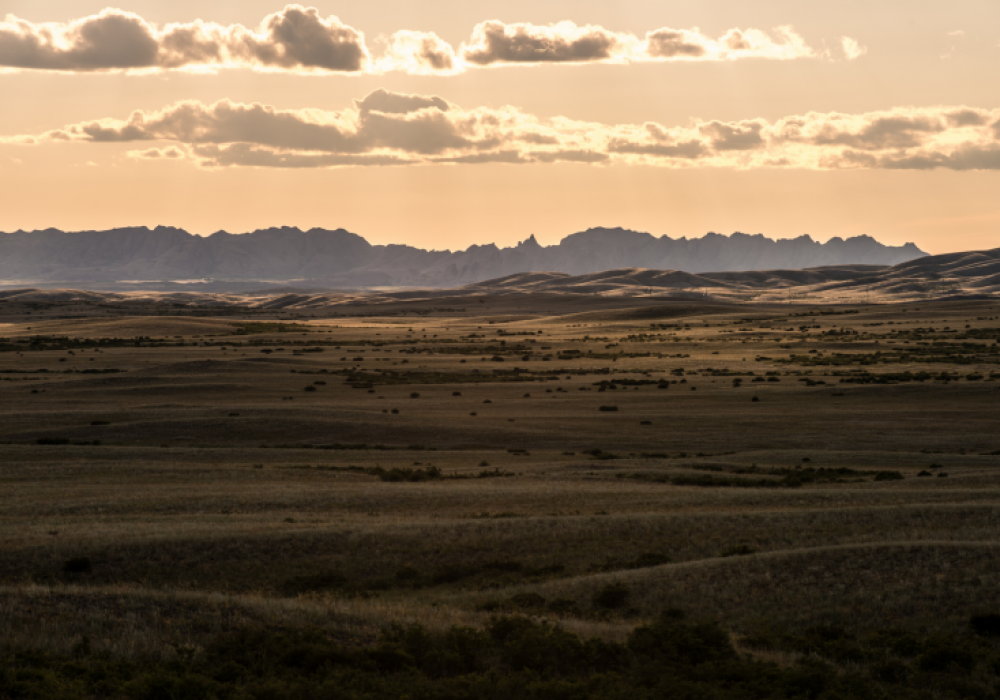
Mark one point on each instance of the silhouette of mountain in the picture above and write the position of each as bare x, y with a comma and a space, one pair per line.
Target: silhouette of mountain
344, 259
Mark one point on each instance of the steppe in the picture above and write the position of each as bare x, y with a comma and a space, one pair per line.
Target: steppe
827, 473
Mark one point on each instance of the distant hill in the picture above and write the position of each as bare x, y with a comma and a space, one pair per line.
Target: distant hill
965, 276
343, 259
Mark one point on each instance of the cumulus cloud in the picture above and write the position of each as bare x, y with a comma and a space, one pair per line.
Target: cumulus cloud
852, 49
297, 38
300, 39
386, 128
495, 42
419, 53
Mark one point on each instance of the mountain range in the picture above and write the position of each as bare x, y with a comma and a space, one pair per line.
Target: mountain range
339, 258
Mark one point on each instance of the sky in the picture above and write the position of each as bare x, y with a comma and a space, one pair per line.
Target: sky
448, 123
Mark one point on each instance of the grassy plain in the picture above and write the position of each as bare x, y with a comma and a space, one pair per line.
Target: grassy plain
166, 478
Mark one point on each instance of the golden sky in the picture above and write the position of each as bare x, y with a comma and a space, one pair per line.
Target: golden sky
446, 123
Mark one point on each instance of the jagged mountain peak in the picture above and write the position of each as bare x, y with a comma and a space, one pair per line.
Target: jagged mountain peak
343, 258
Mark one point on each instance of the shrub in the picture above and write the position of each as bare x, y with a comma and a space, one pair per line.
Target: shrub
309, 388
888, 476
608, 408
945, 658
527, 600
407, 573
322, 581
78, 565
738, 550
986, 625
611, 597
52, 441
562, 606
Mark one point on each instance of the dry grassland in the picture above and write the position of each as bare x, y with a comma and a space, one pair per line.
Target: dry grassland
165, 478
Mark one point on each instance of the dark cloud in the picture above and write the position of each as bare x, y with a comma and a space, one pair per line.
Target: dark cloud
672, 43
396, 103
299, 37
495, 157
571, 156
295, 38
688, 149
966, 117
108, 40
882, 132
965, 158
742, 136
171, 153
496, 42
249, 155
539, 139
386, 128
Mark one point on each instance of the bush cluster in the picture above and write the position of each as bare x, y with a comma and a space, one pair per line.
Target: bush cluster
513, 657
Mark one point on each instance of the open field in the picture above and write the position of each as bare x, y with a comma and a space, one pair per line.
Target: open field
814, 480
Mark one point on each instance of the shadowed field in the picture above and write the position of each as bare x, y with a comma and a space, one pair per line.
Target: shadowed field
777, 470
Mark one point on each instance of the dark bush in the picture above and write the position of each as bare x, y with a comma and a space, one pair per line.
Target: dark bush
527, 600
452, 574
888, 476
612, 597
78, 565
308, 583
407, 573
508, 566
608, 408
986, 625
671, 641
944, 658
52, 441
563, 606
738, 550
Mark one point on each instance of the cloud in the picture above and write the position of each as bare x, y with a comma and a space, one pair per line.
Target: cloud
387, 128
496, 42
299, 39
110, 39
171, 153
852, 49
295, 39
419, 53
